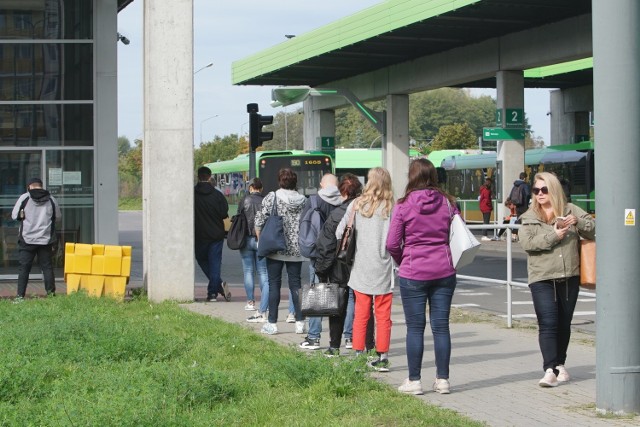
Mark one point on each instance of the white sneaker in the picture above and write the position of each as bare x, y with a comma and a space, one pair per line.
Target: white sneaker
269, 329
549, 379
251, 306
411, 387
291, 318
300, 327
348, 343
441, 385
486, 239
563, 375
257, 318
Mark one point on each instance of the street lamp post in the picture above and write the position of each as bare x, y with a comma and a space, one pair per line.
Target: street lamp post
208, 118
210, 64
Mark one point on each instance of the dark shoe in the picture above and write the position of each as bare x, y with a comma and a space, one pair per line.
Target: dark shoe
212, 298
310, 344
380, 365
227, 292
332, 352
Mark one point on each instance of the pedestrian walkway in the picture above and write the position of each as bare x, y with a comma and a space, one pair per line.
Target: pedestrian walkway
494, 370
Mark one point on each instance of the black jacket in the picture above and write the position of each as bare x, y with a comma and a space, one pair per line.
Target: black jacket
249, 206
210, 209
325, 264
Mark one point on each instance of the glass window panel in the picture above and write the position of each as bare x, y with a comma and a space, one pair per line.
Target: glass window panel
46, 125
43, 72
50, 19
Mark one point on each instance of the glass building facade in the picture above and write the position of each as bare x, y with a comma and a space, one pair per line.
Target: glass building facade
47, 114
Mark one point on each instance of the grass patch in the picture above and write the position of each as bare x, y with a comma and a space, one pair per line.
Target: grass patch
130, 204
80, 361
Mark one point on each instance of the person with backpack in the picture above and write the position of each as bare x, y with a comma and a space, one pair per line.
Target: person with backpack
520, 196
37, 211
316, 210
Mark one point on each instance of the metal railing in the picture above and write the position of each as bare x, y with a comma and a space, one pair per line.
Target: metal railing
509, 282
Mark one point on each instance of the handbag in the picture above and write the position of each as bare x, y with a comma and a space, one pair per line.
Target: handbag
272, 234
463, 244
347, 249
238, 231
322, 299
588, 263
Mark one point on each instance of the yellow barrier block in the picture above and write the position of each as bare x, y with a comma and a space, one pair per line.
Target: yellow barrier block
69, 257
82, 259
93, 284
73, 282
126, 262
115, 286
112, 260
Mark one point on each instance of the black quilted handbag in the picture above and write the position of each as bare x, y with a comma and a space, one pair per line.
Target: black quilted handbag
322, 299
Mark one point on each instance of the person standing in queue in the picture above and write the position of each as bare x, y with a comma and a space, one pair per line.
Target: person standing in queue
550, 234
37, 211
210, 210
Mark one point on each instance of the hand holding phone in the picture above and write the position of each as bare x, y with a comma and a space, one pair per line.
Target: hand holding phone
560, 223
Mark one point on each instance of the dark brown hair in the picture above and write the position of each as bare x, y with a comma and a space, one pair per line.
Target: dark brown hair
256, 183
287, 179
350, 186
423, 175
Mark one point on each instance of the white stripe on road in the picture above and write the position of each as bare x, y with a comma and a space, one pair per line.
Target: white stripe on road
472, 294
464, 305
533, 316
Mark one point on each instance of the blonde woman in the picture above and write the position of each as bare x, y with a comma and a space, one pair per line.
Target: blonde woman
371, 272
550, 234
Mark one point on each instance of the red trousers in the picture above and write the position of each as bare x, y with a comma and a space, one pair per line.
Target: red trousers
382, 314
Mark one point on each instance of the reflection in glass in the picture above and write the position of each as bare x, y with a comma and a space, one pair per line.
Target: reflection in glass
46, 72
50, 19
46, 125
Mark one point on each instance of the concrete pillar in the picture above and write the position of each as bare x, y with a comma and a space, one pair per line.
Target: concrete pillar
395, 146
510, 94
168, 175
106, 124
616, 66
317, 124
569, 109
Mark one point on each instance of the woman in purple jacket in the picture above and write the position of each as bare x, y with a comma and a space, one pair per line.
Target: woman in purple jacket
418, 241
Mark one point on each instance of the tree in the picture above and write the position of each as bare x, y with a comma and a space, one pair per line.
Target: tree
458, 135
221, 148
123, 145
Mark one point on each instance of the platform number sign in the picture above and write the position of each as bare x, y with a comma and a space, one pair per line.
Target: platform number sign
514, 117
499, 117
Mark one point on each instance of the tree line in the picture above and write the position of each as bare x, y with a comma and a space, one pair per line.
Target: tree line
446, 118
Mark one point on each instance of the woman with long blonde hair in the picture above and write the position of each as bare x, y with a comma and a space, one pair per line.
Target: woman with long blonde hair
371, 272
550, 233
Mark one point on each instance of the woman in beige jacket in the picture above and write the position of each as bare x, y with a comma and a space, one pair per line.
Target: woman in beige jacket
550, 233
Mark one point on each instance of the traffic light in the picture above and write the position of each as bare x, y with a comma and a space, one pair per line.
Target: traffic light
256, 135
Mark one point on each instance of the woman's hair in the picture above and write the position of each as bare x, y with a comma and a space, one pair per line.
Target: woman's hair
556, 196
377, 192
423, 175
256, 184
349, 186
287, 179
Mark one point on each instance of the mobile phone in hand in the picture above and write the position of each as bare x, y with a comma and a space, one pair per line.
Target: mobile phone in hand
560, 222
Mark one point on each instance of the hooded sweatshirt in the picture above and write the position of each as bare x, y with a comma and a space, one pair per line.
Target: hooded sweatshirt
289, 204
210, 210
418, 238
37, 227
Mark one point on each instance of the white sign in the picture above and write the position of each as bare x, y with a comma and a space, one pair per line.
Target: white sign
72, 178
630, 217
55, 176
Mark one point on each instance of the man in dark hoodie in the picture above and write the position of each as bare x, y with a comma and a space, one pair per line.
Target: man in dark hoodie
37, 211
210, 209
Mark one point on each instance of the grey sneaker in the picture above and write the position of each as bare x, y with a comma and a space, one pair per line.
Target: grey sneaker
380, 365
441, 385
227, 292
291, 318
310, 343
257, 318
411, 387
269, 329
348, 343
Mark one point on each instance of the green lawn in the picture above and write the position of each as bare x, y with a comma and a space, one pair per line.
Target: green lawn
77, 361
130, 204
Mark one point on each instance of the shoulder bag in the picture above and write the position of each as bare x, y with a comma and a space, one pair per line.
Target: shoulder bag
347, 248
238, 232
322, 299
272, 234
462, 242
587, 263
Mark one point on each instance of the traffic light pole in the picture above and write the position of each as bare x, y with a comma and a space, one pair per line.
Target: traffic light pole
256, 135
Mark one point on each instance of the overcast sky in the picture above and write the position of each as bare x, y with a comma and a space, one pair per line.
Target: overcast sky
231, 30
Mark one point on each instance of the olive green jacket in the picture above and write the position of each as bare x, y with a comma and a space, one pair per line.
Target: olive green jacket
549, 257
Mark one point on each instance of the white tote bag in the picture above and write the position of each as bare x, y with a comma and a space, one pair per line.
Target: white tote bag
462, 242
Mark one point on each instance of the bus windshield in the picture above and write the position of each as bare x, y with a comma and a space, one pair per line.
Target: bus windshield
308, 168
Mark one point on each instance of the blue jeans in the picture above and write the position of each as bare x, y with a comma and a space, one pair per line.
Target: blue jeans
315, 323
209, 258
415, 295
554, 305
251, 265
294, 270
348, 321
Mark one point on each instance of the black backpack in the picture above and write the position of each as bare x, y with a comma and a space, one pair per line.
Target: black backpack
517, 195
310, 226
238, 231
